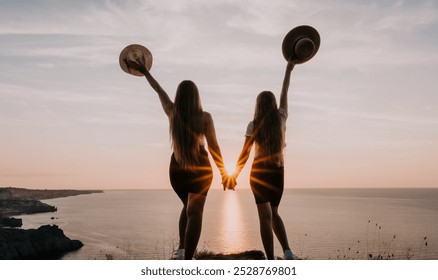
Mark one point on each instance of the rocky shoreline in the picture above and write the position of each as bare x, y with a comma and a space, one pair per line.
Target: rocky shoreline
46, 242
10, 222
13, 207
19, 201
23, 193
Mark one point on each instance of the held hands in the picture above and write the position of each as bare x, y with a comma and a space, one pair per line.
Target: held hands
233, 181
229, 182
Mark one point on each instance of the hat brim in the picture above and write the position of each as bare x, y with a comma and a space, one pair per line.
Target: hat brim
297, 33
122, 59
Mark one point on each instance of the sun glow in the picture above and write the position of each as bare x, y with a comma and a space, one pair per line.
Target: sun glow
230, 167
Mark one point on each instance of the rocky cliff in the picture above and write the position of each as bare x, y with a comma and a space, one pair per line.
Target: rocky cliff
46, 242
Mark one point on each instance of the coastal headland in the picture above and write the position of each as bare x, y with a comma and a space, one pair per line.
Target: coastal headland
46, 242
19, 201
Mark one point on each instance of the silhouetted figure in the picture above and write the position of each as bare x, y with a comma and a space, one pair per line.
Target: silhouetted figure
267, 132
190, 169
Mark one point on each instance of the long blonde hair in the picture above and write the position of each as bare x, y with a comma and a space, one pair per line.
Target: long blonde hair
268, 131
186, 126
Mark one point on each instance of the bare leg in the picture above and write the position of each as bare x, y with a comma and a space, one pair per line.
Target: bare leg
265, 218
195, 209
182, 225
279, 229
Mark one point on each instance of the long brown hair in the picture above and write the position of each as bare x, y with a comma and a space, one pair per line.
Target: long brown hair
268, 131
186, 124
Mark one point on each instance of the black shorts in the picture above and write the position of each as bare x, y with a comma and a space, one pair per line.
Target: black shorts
267, 182
186, 181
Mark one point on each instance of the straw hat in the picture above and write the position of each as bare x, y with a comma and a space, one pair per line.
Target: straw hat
300, 44
134, 52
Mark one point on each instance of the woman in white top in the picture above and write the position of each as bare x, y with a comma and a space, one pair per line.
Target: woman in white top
267, 132
190, 170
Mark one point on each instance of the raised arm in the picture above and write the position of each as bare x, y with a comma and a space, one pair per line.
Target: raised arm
213, 146
164, 98
285, 88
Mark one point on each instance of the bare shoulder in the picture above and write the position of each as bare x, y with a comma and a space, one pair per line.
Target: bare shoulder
170, 113
206, 115
207, 120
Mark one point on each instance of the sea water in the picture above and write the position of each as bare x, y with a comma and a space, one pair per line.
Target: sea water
320, 223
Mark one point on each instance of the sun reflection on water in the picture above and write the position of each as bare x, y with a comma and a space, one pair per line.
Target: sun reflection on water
231, 223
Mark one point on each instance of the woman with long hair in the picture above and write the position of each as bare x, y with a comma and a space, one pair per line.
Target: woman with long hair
190, 169
267, 132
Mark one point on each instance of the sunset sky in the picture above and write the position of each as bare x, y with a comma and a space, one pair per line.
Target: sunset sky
362, 113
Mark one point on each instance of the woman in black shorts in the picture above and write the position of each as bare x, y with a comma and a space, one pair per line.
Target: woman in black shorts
190, 170
267, 131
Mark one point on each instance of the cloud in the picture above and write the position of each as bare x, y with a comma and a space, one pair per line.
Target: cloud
372, 78
360, 33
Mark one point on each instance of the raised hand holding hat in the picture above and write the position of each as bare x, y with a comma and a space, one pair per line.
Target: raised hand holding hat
301, 44
134, 59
